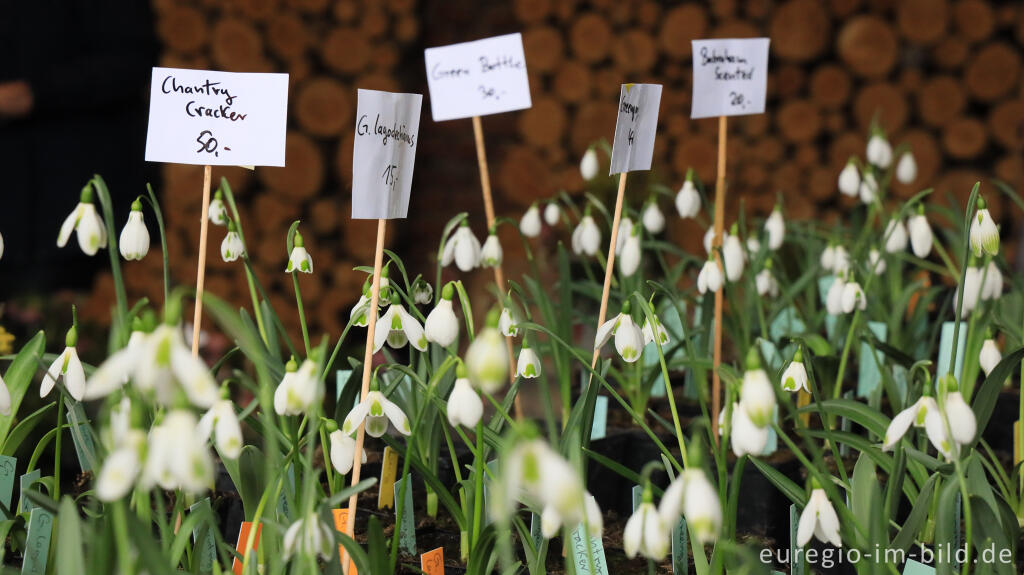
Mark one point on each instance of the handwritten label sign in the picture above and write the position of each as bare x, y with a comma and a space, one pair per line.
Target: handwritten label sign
477, 78
217, 118
730, 77
635, 127
37, 542
578, 539
869, 376
340, 522
946, 348
680, 549
25, 483
432, 562
406, 526
387, 127
243, 539
8, 465
796, 555
388, 473
202, 537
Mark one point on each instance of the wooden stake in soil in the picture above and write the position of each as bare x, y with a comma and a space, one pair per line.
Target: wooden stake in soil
609, 268
197, 318
716, 245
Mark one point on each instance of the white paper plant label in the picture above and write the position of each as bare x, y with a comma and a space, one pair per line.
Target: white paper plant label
730, 77
217, 118
387, 130
635, 127
477, 78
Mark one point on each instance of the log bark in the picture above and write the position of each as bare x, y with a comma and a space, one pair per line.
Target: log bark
830, 86
183, 29
974, 20
1006, 122
237, 46
324, 106
885, 103
543, 47
950, 53
590, 37
572, 82
303, 174
634, 51
798, 121
532, 11
922, 22
941, 99
346, 50
992, 72
287, 36
543, 124
681, 25
800, 30
868, 46
964, 138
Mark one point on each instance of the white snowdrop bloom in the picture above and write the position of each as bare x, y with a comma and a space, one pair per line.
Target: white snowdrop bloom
68, 366
232, 248
834, 297
299, 389
795, 376
914, 415
625, 231
746, 438
487, 359
818, 519
550, 522
652, 218
491, 254
218, 212
828, 257
962, 423
879, 151
853, 297
592, 513
709, 238
629, 339
134, 241
671, 505
688, 200
766, 283
442, 327
629, 259
586, 238
589, 164
971, 291
775, 228
463, 248
841, 263
552, 214
868, 188
984, 232
920, 234
222, 422
992, 281
376, 411
895, 236
299, 259
509, 322
528, 366
1, 246
113, 373
121, 467
358, 314
710, 277
733, 257
906, 168
990, 356
849, 179
5, 398
308, 536
757, 397
753, 245
529, 224
876, 263
464, 404
645, 532
177, 457
648, 333
535, 474
86, 222
701, 507
422, 292
398, 327
343, 450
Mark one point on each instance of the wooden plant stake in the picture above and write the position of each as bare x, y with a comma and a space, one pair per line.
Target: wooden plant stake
609, 268
204, 225
716, 245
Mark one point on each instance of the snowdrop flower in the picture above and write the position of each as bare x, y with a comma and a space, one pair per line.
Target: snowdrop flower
795, 376
92, 234
442, 327
971, 290
645, 531
308, 536
853, 297
222, 422
915, 415
920, 233
753, 246
876, 262
841, 263
701, 507
849, 179
491, 254
398, 327
552, 214
529, 365
879, 152
529, 225
766, 283
1, 246
710, 277
709, 238
5, 398
486, 359
589, 164
343, 448
818, 519
990, 356
868, 188
992, 282
508, 322
121, 467
747, 438
687, 198
463, 248
376, 411
775, 228
828, 257
906, 168
625, 231
733, 257
422, 291
629, 339
177, 457
648, 333
67, 365
757, 395
299, 259
358, 314
834, 297
895, 236
962, 423
652, 218
218, 213
134, 242
464, 404
534, 473
586, 238
629, 260
231, 248
984, 233
299, 388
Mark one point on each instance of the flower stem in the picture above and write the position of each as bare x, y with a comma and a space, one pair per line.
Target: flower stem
124, 549
302, 312
56, 449
478, 485
163, 239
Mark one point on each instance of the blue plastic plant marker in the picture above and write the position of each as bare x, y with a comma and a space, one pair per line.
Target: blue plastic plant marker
407, 527
680, 549
24, 483
870, 377
786, 322
202, 537
899, 377
773, 438
946, 348
653, 362
492, 468
535, 533
343, 377
8, 467
599, 427
579, 553
81, 435
824, 283
288, 492
673, 323
796, 556
914, 568
37, 542
770, 353
638, 493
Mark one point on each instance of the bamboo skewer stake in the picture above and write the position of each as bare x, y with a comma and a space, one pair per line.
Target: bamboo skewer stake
204, 225
716, 244
609, 268
499, 273
371, 326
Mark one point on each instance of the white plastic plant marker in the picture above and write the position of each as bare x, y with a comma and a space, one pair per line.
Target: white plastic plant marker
946, 348
730, 77
407, 526
578, 540
915, 568
37, 542
599, 426
384, 154
869, 376
477, 78
635, 127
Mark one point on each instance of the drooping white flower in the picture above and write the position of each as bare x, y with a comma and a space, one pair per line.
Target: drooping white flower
491, 254
422, 291
687, 198
879, 151
487, 359
766, 283
992, 281
586, 238
442, 327
629, 339
834, 297
648, 333
463, 248
5, 398
398, 327
746, 438
915, 415
629, 259
552, 213
69, 366
818, 519
652, 218
971, 290
358, 314
962, 422
906, 168
299, 389
828, 257
308, 536
376, 411
701, 506
121, 467
528, 366
343, 449
709, 238
589, 164
853, 297
753, 246
134, 241
710, 277
1, 246
876, 263
849, 179
92, 234
508, 322
895, 236
868, 188
218, 212
757, 395
645, 532
733, 257
841, 263
529, 225
795, 376
464, 404
625, 230
920, 234
775, 228
984, 232
592, 513
990, 356
222, 422
177, 457
299, 259
232, 248
535, 474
